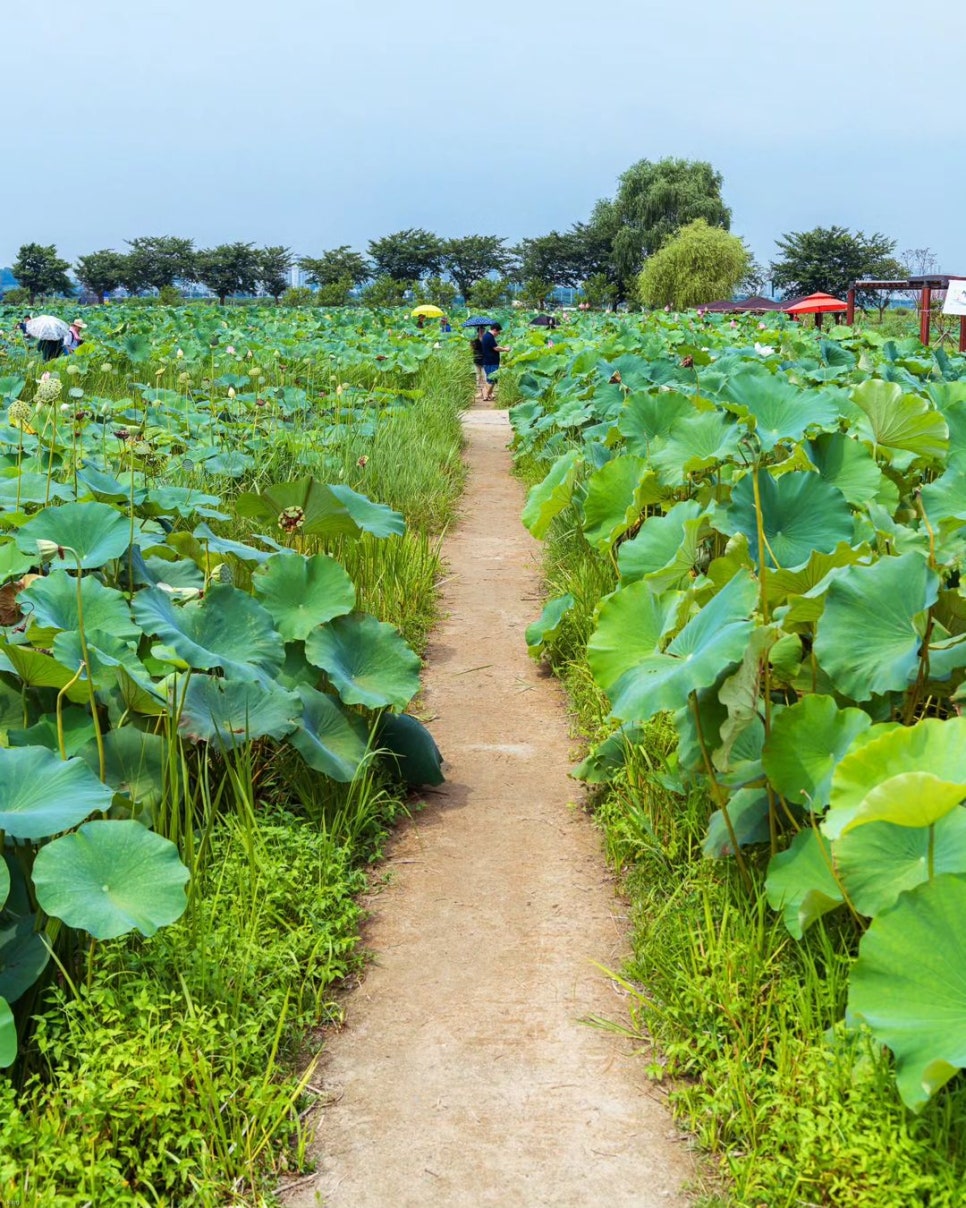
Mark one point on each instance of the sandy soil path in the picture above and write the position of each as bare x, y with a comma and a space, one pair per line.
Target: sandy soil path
464, 1075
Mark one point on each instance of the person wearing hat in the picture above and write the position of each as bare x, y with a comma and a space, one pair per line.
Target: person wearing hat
74, 339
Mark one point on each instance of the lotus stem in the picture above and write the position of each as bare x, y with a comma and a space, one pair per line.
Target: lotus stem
719, 798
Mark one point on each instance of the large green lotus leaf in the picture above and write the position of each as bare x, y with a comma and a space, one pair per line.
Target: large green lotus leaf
41, 794
548, 498
412, 748
665, 549
806, 742
602, 763
631, 623
8, 1036
879, 861
23, 956
134, 764
647, 416
739, 692
365, 516
900, 421
696, 443
710, 643
329, 739
96, 533
551, 618
801, 883
105, 653
616, 495
110, 878
868, 639
203, 542
229, 713
847, 464
77, 728
13, 563
301, 593
801, 513
908, 986
227, 629
909, 775
793, 584
38, 670
51, 604
778, 411
945, 498
368, 661
748, 814
29, 487
4, 882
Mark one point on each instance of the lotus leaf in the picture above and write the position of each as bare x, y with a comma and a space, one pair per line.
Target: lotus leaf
412, 747
23, 956
548, 498
38, 670
665, 550
900, 421
616, 494
631, 624
95, 532
134, 765
868, 639
801, 513
806, 742
41, 795
748, 813
908, 775
8, 1036
329, 739
801, 882
908, 986
542, 631
879, 861
301, 593
229, 713
845, 463
778, 410
368, 661
605, 760
51, 604
696, 443
110, 878
710, 642
227, 629
646, 416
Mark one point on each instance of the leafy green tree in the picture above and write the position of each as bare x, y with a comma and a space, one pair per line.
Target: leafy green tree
337, 264
229, 268
334, 293
653, 201
554, 257
535, 293
100, 272
407, 255
828, 259
39, 270
487, 293
298, 295
474, 257
754, 280
273, 269
700, 264
599, 291
386, 292
158, 260
434, 289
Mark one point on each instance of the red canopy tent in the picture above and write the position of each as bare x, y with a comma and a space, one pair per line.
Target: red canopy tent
817, 305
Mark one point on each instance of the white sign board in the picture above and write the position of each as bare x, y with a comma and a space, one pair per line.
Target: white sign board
955, 303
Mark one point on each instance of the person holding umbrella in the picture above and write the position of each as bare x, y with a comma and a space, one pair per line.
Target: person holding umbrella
491, 358
49, 332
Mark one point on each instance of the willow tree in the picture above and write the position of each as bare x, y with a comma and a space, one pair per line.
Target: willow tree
700, 264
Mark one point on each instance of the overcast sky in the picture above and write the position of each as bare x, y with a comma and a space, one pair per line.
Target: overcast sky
314, 124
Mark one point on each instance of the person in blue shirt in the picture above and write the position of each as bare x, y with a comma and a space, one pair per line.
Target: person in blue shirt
491, 358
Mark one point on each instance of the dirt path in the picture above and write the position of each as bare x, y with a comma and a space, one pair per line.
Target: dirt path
464, 1075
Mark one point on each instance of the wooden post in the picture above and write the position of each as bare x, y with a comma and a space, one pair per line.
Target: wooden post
962, 333
850, 310
925, 314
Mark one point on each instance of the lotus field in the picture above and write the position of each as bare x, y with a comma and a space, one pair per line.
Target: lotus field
184, 511
779, 518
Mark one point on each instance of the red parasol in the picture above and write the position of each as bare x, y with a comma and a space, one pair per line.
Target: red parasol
815, 304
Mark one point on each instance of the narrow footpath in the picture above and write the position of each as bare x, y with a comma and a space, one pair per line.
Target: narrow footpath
465, 1074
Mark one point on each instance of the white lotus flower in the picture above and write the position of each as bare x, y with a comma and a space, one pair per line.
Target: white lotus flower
764, 350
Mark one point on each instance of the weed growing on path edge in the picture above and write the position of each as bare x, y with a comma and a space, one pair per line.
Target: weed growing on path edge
743, 1017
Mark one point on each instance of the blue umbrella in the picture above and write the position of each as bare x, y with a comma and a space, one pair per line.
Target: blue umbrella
479, 322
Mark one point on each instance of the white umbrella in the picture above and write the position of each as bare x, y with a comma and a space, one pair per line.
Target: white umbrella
46, 327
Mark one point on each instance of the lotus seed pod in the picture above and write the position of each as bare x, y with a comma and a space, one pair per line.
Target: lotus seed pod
18, 414
222, 573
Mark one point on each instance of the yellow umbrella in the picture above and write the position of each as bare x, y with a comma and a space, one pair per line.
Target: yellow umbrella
430, 312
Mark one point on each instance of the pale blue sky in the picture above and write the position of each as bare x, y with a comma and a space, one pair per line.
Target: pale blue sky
311, 124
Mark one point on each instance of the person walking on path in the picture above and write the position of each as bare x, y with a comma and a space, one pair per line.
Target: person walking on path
476, 348
491, 359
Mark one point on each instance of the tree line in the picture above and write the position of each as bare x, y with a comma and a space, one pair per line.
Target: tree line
661, 240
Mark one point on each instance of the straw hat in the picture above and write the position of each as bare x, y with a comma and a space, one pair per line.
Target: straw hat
78, 323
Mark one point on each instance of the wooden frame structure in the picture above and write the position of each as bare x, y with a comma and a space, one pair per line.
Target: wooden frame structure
925, 285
